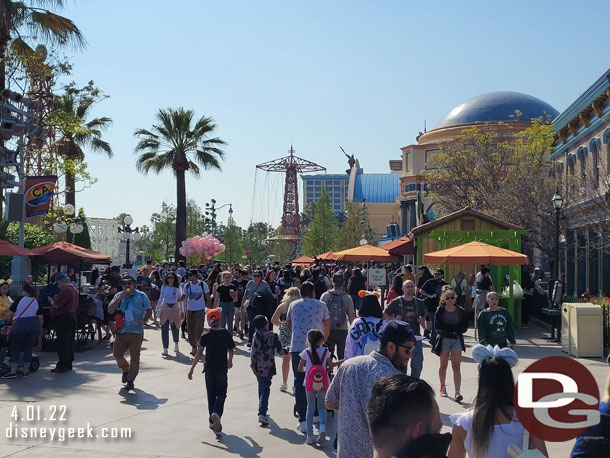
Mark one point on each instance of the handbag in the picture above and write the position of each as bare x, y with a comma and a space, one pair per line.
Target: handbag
252, 303
9, 332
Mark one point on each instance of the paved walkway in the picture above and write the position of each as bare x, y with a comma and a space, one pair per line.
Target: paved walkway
167, 413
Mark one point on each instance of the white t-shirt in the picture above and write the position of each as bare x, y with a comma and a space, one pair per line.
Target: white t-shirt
23, 303
308, 363
170, 295
195, 295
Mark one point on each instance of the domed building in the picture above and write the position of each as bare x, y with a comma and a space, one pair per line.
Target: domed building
501, 110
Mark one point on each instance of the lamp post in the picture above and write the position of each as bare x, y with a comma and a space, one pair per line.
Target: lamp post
210, 210
126, 234
557, 201
71, 226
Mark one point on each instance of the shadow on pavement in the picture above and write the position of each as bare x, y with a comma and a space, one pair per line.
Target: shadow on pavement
289, 435
245, 447
141, 399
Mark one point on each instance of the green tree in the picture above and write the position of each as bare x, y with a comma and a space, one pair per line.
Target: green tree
233, 241
196, 222
176, 143
281, 249
255, 239
320, 237
353, 228
159, 240
503, 173
83, 239
72, 108
35, 235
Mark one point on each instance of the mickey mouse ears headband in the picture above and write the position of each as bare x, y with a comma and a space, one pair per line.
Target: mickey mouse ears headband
480, 352
363, 293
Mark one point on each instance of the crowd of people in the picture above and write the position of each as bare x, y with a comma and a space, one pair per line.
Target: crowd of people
348, 353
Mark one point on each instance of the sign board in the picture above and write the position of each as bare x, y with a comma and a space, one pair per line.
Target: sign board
377, 277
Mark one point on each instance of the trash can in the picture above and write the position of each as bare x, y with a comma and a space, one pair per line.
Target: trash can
565, 326
586, 331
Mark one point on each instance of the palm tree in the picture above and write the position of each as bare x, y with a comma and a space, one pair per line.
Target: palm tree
77, 133
32, 17
174, 143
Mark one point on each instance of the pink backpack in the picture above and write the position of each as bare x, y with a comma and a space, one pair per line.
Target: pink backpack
317, 378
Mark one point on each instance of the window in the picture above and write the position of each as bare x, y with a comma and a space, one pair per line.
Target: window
596, 169
467, 224
429, 154
407, 159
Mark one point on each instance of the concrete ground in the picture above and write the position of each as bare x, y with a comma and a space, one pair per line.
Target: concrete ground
167, 413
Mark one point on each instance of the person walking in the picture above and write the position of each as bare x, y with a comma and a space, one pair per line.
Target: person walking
170, 311
240, 312
341, 310
195, 294
495, 324
395, 289
460, 286
219, 348
356, 283
63, 312
484, 286
491, 426
135, 309
225, 296
350, 389
255, 291
412, 310
26, 318
303, 315
431, 291
451, 324
265, 345
315, 363
363, 335
280, 319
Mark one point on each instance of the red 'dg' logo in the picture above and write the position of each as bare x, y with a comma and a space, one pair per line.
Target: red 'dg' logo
556, 399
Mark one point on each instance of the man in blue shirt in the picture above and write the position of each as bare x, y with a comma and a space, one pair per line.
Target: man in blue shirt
135, 309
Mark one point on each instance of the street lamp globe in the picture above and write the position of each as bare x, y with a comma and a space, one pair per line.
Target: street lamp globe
136, 236
128, 220
557, 200
76, 228
68, 209
363, 241
60, 228
119, 235
127, 235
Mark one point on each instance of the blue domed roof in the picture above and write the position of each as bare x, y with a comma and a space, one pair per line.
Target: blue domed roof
497, 106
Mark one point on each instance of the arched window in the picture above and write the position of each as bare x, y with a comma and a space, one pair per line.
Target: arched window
581, 155
594, 147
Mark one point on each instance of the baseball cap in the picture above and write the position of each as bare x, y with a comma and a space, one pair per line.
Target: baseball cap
397, 332
214, 315
338, 279
60, 277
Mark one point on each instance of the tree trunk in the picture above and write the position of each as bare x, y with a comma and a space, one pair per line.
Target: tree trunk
70, 193
180, 213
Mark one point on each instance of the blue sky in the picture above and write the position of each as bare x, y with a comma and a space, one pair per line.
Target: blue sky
317, 74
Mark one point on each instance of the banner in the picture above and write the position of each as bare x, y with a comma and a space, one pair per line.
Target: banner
38, 194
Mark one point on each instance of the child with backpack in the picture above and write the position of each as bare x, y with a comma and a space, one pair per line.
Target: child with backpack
265, 344
315, 362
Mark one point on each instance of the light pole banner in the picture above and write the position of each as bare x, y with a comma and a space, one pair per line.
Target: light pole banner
38, 194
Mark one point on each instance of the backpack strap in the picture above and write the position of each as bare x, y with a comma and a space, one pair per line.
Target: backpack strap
324, 353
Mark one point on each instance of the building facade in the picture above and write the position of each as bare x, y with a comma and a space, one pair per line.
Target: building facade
336, 187
581, 158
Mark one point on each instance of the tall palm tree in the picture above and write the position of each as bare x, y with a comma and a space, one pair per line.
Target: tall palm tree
175, 143
35, 18
77, 133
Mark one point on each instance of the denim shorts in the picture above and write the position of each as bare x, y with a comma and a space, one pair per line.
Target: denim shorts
451, 344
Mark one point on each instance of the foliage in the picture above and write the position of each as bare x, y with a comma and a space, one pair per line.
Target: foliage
500, 172
233, 242
160, 240
307, 216
281, 249
255, 239
83, 239
179, 144
35, 235
321, 235
196, 222
353, 229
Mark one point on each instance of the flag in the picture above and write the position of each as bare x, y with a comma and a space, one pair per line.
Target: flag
38, 194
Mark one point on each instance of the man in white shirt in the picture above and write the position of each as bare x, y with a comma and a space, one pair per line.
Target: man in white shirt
195, 294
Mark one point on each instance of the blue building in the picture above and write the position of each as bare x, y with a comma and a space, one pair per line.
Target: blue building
336, 187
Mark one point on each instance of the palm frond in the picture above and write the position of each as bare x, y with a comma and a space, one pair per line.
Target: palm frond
54, 28
207, 160
194, 168
154, 162
97, 144
102, 123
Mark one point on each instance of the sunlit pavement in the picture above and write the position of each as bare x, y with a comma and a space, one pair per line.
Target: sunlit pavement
167, 413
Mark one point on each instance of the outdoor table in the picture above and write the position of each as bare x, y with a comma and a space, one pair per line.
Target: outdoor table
555, 316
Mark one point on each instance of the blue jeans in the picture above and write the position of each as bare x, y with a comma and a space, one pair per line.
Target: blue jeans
165, 334
251, 312
312, 398
299, 388
264, 390
226, 315
432, 317
357, 300
417, 361
23, 338
216, 387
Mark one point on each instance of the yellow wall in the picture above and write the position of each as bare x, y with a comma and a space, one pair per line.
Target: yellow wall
380, 215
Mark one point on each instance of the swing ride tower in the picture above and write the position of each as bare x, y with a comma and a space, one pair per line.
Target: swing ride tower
292, 166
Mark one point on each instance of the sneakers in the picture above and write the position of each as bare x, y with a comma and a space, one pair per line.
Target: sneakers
458, 396
321, 437
310, 440
443, 391
176, 349
216, 425
129, 386
165, 352
302, 427
10, 375
283, 387
124, 377
262, 419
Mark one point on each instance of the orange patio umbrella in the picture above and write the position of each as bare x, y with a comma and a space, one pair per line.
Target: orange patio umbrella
328, 256
302, 261
472, 253
365, 253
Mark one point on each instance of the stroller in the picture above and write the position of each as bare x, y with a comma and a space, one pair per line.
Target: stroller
5, 345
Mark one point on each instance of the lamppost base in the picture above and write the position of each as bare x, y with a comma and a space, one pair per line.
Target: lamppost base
127, 266
20, 271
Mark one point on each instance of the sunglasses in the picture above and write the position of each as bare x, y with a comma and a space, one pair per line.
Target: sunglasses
409, 348
449, 297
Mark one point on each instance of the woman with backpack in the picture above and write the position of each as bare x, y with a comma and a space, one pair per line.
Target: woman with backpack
363, 334
279, 319
315, 362
460, 286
